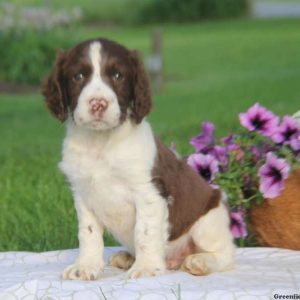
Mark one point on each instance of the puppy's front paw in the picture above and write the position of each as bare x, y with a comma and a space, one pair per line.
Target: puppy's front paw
137, 271
80, 271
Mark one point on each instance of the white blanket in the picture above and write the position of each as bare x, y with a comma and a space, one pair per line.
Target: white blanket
259, 274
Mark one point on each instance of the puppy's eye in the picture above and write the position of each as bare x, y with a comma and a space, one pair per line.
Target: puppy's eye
78, 77
117, 76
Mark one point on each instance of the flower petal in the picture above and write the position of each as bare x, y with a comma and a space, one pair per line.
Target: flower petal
204, 163
288, 130
238, 224
259, 119
272, 175
205, 138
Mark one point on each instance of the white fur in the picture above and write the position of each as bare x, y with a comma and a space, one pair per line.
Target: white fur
212, 238
97, 88
110, 175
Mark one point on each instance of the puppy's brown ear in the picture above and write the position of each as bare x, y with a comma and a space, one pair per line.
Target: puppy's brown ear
54, 89
142, 103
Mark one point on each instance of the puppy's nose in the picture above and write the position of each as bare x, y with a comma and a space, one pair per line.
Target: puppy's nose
98, 105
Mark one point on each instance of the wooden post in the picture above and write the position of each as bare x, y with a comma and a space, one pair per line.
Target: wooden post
155, 61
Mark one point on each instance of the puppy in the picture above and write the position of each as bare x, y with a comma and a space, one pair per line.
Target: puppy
123, 178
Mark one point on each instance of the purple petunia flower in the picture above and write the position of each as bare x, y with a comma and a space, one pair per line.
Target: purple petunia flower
295, 145
205, 139
229, 142
259, 151
272, 176
237, 224
288, 131
205, 165
259, 119
220, 154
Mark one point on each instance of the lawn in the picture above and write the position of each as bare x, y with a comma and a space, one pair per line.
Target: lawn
213, 71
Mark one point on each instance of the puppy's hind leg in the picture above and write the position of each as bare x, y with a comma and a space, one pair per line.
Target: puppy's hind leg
214, 243
122, 260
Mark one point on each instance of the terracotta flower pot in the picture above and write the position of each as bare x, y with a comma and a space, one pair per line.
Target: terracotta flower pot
276, 223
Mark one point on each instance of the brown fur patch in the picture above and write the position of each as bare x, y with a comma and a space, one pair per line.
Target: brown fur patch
191, 196
54, 91
276, 222
142, 103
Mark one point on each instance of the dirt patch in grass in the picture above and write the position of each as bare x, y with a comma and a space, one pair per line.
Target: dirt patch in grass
17, 88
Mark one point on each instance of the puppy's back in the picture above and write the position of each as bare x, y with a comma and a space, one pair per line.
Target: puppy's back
188, 195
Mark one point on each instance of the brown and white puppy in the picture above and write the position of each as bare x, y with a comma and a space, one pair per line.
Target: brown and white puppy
123, 178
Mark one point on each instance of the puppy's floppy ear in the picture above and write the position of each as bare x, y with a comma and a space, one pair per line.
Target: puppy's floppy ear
54, 89
141, 89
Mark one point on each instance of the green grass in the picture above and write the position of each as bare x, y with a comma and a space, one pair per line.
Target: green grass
212, 72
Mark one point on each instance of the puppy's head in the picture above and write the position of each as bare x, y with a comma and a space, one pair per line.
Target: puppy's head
98, 84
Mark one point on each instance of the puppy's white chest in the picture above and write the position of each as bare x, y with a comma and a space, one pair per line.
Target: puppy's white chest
104, 180
108, 176
101, 182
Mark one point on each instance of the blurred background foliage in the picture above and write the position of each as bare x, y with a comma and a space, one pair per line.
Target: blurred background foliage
190, 10
37, 26
144, 11
31, 53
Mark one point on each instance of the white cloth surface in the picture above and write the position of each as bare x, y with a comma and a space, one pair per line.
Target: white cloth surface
259, 274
